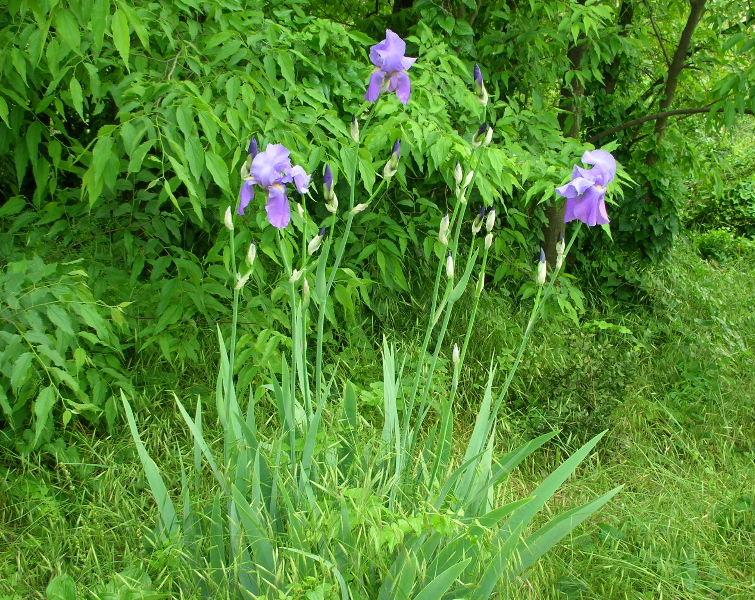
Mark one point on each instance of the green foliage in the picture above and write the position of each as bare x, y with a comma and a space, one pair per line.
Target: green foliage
733, 209
722, 244
61, 351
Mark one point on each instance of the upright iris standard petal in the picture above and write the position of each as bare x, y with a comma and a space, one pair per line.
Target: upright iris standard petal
247, 195
391, 66
388, 54
586, 193
272, 166
278, 207
604, 162
301, 179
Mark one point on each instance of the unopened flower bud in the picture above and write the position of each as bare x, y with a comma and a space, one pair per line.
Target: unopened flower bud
359, 208
458, 174
327, 182
228, 219
450, 266
251, 254
542, 268
241, 282
476, 225
253, 147
483, 137
314, 244
560, 249
455, 355
355, 130
488, 241
490, 221
445, 224
305, 292
300, 210
295, 276
482, 93
468, 179
392, 165
332, 204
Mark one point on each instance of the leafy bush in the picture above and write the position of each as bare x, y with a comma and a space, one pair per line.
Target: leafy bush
722, 244
733, 209
61, 354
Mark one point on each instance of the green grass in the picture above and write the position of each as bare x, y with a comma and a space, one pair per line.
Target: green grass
677, 394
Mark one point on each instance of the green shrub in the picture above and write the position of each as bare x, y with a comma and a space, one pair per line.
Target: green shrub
733, 208
723, 244
61, 356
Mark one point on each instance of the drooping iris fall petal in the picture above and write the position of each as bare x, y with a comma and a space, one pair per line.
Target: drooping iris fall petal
247, 195
277, 207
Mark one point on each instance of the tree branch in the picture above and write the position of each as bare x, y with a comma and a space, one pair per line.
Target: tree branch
658, 34
697, 7
654, 117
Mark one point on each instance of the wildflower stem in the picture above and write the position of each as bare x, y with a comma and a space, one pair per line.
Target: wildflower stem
542, 294
294, 329
340, 249
234, 324
446, 427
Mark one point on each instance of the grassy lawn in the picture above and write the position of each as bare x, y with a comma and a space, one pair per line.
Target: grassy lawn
671, 379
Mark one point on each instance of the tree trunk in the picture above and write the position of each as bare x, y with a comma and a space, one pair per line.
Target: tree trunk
611, 75
571, 125
399, 5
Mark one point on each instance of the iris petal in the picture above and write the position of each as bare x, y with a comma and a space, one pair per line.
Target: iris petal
277, 207
376, 85
247, 195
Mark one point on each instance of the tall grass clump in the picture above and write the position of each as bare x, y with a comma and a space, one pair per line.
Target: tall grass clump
310, 496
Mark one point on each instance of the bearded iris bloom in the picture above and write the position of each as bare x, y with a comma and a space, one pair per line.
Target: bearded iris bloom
390, 74
586, 192
273, 171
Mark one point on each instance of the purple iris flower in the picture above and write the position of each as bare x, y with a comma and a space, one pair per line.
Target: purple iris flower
272, 170
392, 65
586, 192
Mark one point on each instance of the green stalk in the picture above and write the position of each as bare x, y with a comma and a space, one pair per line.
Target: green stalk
446, 428
340, 250
542, 294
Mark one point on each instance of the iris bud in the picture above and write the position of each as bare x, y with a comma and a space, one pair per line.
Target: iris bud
314, 244
560, 249
542, 268
445, 223
490, 221
458, 174
251, 254
450, 266
228, 219
468, 179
